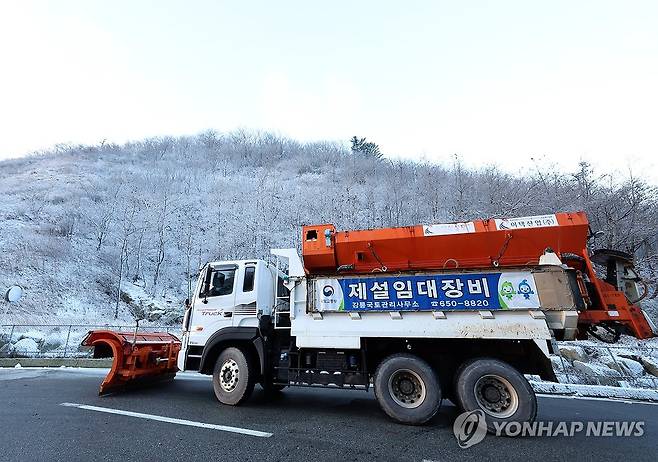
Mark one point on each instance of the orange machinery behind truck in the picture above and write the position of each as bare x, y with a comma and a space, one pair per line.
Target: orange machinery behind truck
608, 304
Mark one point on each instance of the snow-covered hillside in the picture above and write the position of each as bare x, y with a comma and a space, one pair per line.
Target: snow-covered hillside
84, 226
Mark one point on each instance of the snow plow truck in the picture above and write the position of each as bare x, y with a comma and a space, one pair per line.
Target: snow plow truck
463, 311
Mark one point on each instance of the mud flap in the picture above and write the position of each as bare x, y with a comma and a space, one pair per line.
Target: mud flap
139, 358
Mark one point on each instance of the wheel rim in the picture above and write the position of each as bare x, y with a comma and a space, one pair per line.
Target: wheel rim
496, 396
229, 374
407, 388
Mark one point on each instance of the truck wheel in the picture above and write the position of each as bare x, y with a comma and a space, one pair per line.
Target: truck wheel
234, 376
497, 389
407, 389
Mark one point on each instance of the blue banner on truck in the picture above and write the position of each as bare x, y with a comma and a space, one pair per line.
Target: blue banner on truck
440, 292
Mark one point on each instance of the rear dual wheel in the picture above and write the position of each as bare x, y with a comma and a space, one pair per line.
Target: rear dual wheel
497, 389
407, 389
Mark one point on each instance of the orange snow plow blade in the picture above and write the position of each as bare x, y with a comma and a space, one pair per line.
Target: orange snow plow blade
138, 358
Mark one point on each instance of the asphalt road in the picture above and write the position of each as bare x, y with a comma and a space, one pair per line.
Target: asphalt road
305, 424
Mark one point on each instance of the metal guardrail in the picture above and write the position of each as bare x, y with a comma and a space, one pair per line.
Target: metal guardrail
57, 340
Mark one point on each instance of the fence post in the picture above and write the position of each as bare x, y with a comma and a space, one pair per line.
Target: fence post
66, 345
11, 333
564, 367
619, 368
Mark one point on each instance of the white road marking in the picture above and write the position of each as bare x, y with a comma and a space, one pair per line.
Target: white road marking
597, 398
190, 423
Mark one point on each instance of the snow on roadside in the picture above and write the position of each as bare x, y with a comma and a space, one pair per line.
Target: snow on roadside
595, 391
154, 309
630, 363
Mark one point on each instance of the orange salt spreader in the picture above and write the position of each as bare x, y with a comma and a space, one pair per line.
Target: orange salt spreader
611, 302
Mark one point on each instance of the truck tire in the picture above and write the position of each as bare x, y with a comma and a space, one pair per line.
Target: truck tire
234, 376
497, 389
407, 389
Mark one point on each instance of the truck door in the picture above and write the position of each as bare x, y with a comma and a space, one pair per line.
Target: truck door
215, 302
245, 313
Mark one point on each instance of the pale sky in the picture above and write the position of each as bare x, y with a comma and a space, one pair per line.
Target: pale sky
497, 81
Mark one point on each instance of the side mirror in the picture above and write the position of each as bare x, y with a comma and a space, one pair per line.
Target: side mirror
187, 303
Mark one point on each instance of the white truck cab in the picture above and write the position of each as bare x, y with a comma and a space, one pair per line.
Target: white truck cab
228, 294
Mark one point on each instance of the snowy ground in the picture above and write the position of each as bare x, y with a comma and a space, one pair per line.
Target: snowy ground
630, 363
595, 391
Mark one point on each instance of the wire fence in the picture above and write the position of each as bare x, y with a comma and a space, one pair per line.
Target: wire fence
58, 341
612, 365
575, 362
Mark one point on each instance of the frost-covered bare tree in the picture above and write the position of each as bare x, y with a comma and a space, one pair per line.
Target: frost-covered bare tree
126, 230
89, 225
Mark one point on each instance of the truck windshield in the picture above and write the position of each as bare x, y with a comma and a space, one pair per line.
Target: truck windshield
221, 283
